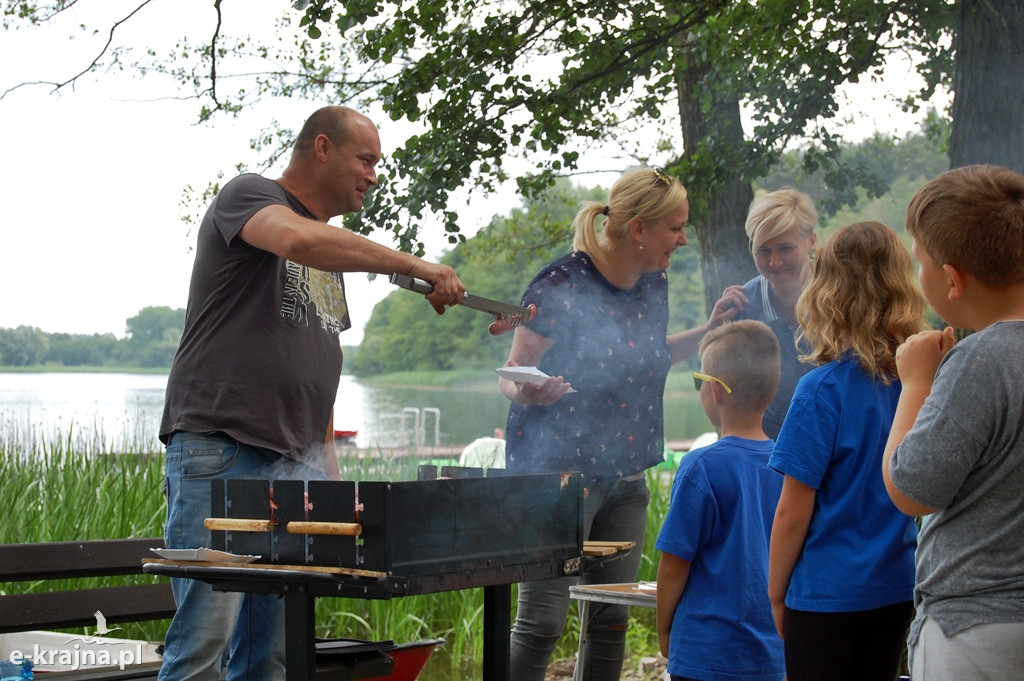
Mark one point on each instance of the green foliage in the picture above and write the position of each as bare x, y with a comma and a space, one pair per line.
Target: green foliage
522, 91
153, 336
155, 324
897, 168
469, 71
67, 486
23, 346
72, 350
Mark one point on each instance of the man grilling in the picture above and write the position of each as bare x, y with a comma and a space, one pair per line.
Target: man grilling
252, 386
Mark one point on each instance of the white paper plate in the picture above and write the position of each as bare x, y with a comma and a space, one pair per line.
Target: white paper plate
531, 375
204, 555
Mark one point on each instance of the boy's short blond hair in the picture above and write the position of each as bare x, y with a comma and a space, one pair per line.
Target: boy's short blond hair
973, 218
746, 356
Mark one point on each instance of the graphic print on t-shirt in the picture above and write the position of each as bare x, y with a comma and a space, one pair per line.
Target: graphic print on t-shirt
325, 290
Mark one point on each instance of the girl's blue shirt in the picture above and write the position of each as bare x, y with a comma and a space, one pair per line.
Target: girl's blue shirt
859, 551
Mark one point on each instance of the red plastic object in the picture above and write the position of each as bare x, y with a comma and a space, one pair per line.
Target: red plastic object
410, 658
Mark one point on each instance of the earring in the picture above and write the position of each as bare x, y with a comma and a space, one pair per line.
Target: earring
641, 247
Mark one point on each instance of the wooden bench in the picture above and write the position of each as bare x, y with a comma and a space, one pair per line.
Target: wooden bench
73, 560
68, 608
148, 600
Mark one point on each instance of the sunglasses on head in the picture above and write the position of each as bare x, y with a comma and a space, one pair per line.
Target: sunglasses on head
661, 175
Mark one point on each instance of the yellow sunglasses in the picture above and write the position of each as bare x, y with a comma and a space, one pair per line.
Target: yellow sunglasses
699, 378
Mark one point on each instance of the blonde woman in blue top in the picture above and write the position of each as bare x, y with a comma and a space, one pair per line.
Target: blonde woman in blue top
780, 226
841, 558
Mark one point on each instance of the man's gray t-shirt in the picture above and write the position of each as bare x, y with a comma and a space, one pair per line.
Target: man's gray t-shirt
965, 457
260, 358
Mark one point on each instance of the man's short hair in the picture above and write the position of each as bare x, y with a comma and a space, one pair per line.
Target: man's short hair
332, 121
973, 218
746, 356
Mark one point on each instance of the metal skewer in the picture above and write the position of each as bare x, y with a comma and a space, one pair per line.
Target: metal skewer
507, 316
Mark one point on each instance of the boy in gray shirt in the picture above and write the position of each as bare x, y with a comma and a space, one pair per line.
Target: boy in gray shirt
956, 449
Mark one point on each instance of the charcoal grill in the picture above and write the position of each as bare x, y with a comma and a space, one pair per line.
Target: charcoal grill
381, 540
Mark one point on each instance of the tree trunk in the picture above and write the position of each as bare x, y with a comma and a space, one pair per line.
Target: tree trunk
724, 247
988, 109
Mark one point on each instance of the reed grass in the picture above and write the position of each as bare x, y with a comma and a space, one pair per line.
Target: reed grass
72, 487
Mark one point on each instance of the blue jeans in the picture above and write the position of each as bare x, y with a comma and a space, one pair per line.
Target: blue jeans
239, 634
612, 511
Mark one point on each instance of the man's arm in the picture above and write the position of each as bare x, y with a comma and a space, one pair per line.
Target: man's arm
281, 231
673, 573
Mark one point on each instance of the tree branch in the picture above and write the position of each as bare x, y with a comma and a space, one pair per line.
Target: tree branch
57, 85
213, 57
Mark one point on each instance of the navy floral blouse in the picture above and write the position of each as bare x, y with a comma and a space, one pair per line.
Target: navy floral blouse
610, 345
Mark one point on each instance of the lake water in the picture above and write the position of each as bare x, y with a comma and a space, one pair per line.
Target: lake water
126, 408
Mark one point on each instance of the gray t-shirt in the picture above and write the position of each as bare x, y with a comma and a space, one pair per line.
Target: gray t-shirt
260, 358
965, 457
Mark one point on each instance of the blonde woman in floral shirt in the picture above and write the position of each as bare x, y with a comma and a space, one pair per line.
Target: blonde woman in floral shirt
600, 332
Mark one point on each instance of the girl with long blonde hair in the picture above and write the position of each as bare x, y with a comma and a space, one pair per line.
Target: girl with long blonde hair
841, 558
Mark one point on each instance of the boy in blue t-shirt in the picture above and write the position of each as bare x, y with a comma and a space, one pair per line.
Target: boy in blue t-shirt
714, 617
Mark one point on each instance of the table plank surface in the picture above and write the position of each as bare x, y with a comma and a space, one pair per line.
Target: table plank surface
642, 594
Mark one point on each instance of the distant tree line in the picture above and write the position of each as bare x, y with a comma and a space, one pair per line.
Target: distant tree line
150, 341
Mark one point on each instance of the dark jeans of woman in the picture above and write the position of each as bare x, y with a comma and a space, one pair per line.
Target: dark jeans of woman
612, 511
846, 646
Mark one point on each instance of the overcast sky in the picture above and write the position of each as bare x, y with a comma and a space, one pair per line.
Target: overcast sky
92, 178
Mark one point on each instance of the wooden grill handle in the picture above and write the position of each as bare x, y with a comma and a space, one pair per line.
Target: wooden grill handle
238, 524
338, 529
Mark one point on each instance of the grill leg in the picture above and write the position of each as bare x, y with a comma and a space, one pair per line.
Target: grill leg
497, 629
300, 635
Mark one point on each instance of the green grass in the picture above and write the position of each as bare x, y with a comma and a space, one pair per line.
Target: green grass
70, 489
